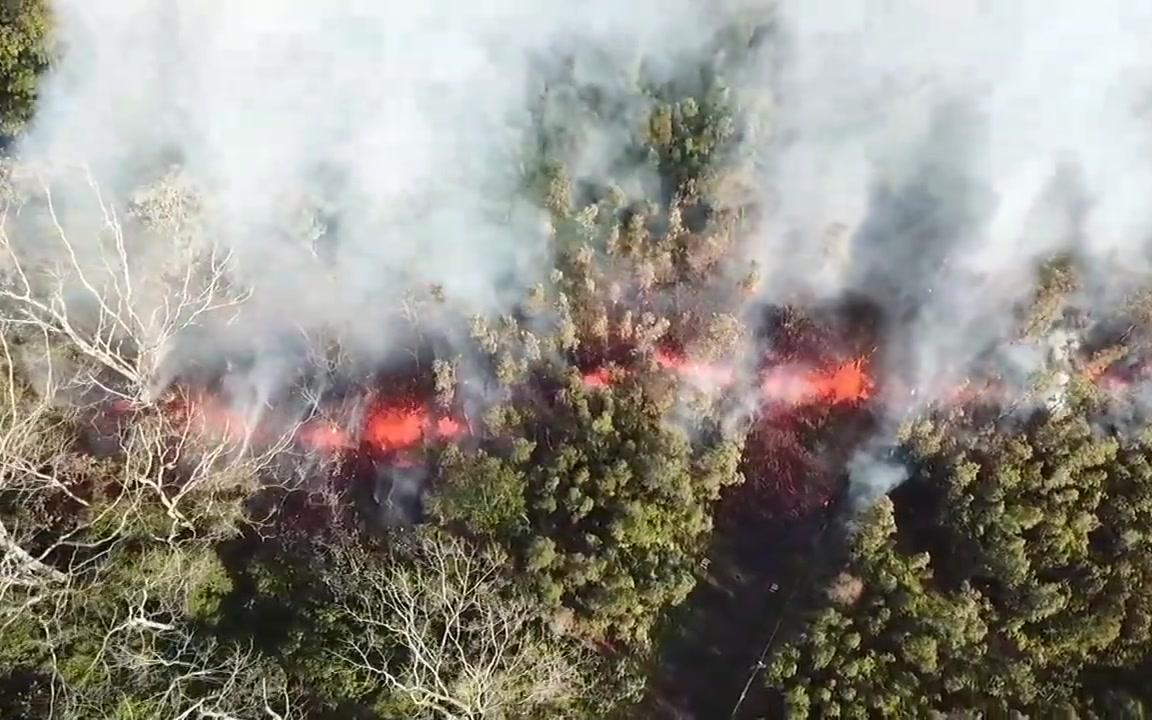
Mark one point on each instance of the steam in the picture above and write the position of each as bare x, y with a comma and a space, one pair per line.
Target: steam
873, 472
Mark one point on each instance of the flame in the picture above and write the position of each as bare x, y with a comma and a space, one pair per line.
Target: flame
399, 427
324, 436
848, 383
392, 428
447, 427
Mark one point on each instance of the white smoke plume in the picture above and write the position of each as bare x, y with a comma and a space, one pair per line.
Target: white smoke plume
344, 152
929, 154
924, 153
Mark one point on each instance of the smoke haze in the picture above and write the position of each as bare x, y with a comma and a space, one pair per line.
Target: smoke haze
925, 154
346, 152
931, 154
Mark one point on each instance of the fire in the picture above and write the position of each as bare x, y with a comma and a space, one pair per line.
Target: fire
324, 436
394, 428
848, 383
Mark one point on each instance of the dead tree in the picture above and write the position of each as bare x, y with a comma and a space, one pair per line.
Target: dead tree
468, 648
112, 300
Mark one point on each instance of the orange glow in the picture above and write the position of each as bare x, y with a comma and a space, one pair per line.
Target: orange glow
323, 436
447, 427
598, 378
848, 383
396, 427
393, 428
696, 372
388, 429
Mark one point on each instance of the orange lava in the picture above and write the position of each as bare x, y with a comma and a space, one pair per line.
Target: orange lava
393, 428
389, 428
447, 427
849, 383
324, 436
696, 372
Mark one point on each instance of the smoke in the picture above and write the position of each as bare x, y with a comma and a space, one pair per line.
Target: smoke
873, 472
930, 154
924, 155
346, 153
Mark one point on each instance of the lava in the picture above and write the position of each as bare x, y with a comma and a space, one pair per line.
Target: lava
848, 383
391, 426
324, 436
698, 373
600, 377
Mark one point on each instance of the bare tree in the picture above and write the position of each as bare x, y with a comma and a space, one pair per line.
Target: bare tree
110, 298
172, 486
150, 656
446, 632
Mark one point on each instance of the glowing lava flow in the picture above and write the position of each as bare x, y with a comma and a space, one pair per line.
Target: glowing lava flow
696, 372
599, 378
389, 428
848, 383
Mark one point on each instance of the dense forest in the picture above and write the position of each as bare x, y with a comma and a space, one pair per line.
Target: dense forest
634, 492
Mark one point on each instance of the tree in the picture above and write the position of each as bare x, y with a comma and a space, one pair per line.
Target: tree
604, 505
1021, 568
896, 646
444, 630
90, 290
108, 571
24, 30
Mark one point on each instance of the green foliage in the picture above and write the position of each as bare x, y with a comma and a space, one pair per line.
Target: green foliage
901, 648
24, 30
688, 135
1055, 282
482, 493
1042, 573
617, 506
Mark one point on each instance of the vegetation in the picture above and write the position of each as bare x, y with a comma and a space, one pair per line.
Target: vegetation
162, 557
24, 32
606, 509
1008, 572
